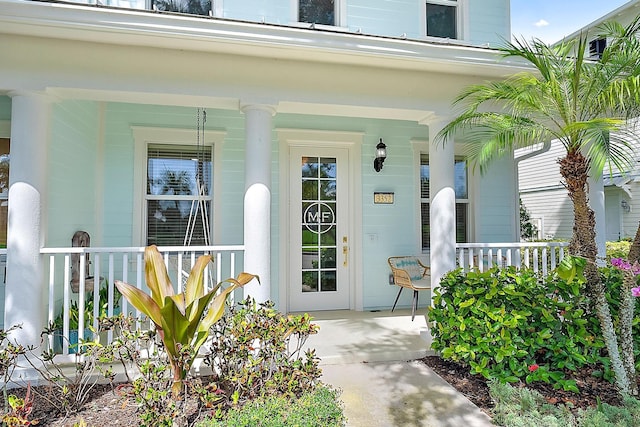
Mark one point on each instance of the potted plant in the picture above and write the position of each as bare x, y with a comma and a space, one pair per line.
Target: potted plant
74, 317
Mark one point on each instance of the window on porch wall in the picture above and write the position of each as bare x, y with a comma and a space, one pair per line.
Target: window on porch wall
462, 200
442, 18
178, 210
317, 12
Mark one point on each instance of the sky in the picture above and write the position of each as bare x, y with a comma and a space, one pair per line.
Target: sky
550, 20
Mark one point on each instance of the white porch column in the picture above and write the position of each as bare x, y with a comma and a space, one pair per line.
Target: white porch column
596, 202
25, 290
442, 207
257, 199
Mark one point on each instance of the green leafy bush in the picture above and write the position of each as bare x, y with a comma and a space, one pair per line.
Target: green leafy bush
257, 351
513, 325
312, 409
619, 249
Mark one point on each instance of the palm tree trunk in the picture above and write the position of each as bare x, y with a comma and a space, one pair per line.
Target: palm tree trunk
574, 169
627, 308
634, 250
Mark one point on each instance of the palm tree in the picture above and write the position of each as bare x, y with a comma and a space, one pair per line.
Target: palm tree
585, 105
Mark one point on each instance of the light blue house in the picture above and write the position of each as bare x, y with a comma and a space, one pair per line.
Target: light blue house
103, 107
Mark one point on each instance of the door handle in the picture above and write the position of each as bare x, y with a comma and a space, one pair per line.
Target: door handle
345, 252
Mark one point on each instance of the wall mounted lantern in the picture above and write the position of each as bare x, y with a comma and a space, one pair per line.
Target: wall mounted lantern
625, 206
381, 154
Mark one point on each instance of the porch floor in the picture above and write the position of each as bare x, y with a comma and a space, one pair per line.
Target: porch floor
369, 336
370, 357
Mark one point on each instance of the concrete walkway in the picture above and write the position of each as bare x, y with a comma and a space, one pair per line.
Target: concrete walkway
371, 357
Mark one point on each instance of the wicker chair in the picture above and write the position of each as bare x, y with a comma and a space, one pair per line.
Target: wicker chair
409, 272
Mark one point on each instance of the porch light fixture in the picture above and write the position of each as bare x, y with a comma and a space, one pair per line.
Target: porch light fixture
625, 206
381, 154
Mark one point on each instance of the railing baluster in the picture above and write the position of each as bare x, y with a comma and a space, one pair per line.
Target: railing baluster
65, 306
139, 268
540, 256
81, 296
219, 267
96, 293
51, 313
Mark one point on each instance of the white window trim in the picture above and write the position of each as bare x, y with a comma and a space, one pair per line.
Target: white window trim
420, 147
461, 17
340, 16
218, 8
143, 136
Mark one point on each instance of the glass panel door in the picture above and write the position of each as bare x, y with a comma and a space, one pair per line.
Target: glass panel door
319, 243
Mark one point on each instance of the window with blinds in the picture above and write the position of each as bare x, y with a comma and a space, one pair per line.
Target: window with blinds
462, 200
178, 195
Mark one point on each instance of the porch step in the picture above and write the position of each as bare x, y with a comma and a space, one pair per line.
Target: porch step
370, 336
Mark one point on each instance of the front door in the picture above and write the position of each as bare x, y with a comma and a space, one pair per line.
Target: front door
319, 242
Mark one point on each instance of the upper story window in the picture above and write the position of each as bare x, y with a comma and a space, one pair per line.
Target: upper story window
317, 12
596, 48
442, 18
461, 188
193, 7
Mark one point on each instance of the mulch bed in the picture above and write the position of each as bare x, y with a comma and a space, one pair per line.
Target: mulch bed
592, 389
108, 406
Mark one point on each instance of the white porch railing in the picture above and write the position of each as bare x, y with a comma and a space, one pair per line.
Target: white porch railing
542, 257
126, 264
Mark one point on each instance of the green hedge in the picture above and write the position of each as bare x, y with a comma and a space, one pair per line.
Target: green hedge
513, 325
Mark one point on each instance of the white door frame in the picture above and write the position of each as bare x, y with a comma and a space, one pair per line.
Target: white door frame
352, 141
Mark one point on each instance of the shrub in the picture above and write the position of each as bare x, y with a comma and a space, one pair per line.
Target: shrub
514, 325
619, 249
314, 408
257, 351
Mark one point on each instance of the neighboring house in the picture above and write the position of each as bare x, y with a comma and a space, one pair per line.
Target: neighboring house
100, 106
541, 189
